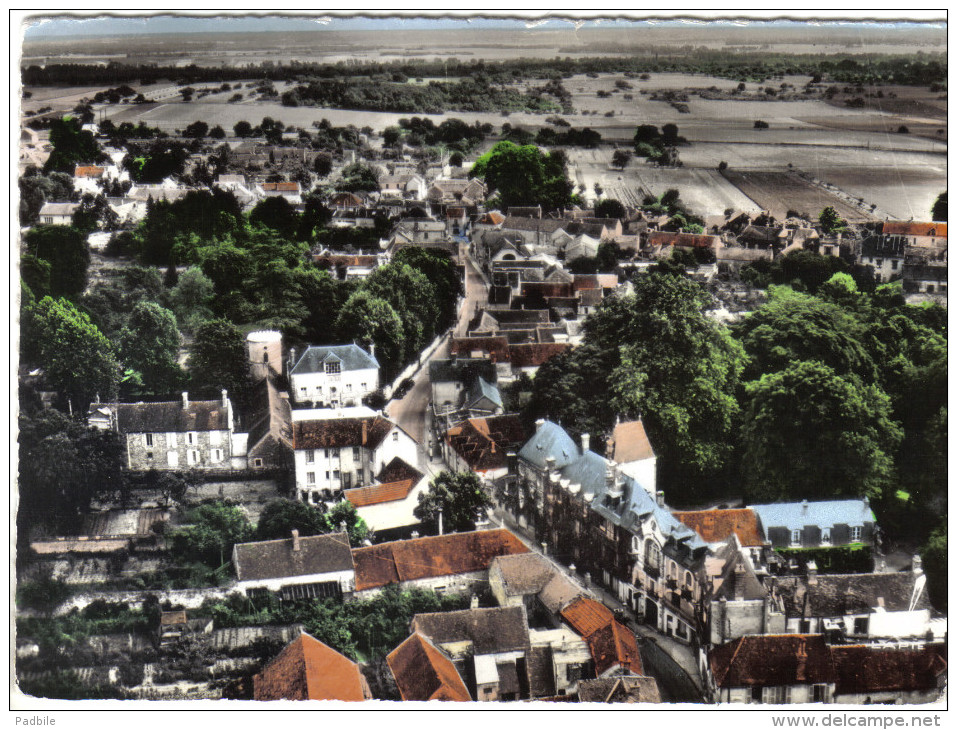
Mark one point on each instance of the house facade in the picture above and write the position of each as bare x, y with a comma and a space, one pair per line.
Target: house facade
172, 435
334, 375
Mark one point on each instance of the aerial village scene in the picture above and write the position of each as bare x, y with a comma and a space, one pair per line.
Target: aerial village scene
477, 360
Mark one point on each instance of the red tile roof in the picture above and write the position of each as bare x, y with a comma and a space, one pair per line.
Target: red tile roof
686, 240
717, 525
863, 669
912, 228
547, 289
533, 355
496, 347
432, 557
422, 672
307, 669
380, 493
614, 645
397, 470
629, 442
492, 218
283, 187
774, 660
586, 616
339, 432
88, 171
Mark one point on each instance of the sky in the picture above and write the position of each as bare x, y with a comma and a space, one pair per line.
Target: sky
111, 26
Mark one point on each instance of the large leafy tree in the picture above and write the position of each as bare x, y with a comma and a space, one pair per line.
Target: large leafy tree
459, 496
441, 272
149, 344
369, 319
344, 514
72, 146
524, 175
218, 360
939, 211
811, 433
678, 370
358, 178
793, 326
412, 297
210, 534
76, 358
281, 516
37, 189
66, 250
191, 297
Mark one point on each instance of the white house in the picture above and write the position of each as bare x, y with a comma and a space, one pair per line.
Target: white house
299, 567
336, 454
389, 504
331, 376
57, 214
630, 448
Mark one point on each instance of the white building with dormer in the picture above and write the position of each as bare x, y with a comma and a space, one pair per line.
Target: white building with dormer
333, 376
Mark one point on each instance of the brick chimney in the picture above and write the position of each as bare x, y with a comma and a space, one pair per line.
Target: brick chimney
185, 401
801, 671
295, 541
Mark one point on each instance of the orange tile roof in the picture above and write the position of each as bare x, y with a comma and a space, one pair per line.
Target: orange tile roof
773, 660
716, 525
586, 616
912, 228
614, 645
484, 442
630, 443
691, 240
285, 187
307, 669
422, 672
432, 557
496, 347
380, 493
88, 171
533, 355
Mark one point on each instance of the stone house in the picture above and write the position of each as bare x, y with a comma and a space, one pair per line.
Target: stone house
319, 566
172, 435
869, 675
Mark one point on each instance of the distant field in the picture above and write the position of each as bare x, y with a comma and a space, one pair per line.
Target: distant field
899, 191
779, 192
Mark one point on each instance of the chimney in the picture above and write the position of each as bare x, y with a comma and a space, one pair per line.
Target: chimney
415, 534
225, 398
916, 564
801, 672
292, 358
511, 461
295, 541
586, 442
372, 349
544, 548
811, 573
474, 603
804, 506
660, 498
538, 424
440, 521
185, 401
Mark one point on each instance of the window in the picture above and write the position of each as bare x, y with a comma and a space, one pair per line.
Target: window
819, 693
930, 288
335, 474
257, 462
365, 387
356, 455
303, 392
348, 387
310, 456
333, 368
776, 695
172, 458
804, 627
893, 268
192, 457
880, 262
148, 437
856, 533
325, 453
860, 625
395, 435
335, 453
171, 439
149, 455
795, 537
191, 438
825, 535
310, 477
573, 672
216, 456
327, 476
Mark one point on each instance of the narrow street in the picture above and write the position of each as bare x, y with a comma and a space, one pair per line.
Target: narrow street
411, 412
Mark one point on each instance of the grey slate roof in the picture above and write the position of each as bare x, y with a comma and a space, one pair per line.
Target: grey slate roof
837, 595
352, 357
491, 630
797, 515
207, 415
273, 559
481, 388
550, 440
461, 369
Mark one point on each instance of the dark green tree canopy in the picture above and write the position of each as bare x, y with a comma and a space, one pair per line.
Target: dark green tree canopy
72, 146
218, 360
939, 211
66, 250
524, 176
370, 319
149, 344
212, 530
281, 516
460, 496
810, 433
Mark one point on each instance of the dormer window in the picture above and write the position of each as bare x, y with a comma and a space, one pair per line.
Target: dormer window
795, 537
825, 535
333, 368
856, 533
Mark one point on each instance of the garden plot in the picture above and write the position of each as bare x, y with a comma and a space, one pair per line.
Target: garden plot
779, 192
900, 191
253, 495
